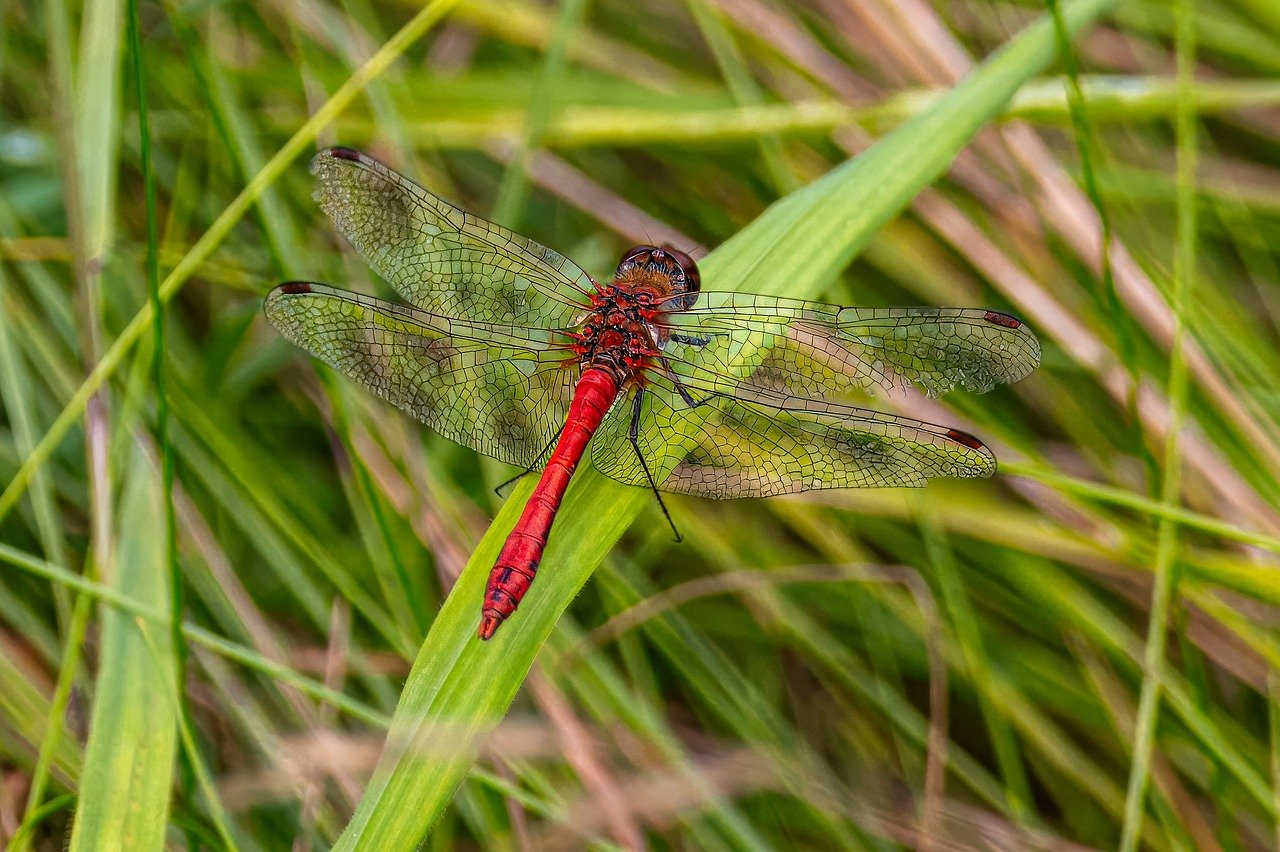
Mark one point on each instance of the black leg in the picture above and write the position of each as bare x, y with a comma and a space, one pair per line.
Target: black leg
684, 391
531, 468
634, 434
689, 341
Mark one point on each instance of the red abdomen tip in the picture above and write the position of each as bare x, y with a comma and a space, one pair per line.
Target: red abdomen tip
1002, 319
488, 625
966, 439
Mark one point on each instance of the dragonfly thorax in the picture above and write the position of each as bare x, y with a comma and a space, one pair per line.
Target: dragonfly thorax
616, 334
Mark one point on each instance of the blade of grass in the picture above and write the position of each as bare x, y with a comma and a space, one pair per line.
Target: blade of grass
460, 687
176, 651
128, 765
1122, 99
90, 143
1109, 495
179, 647
1166, 567
97, 121
1111, 100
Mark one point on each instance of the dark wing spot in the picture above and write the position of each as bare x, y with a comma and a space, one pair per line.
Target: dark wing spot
965, 438
345, 154
293, 288
1001, 319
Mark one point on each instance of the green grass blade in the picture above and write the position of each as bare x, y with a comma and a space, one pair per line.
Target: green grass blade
128, 767
692, 123
1166, 565
459, 687
97, 119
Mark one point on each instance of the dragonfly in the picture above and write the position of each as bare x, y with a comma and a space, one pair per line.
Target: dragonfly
510, 348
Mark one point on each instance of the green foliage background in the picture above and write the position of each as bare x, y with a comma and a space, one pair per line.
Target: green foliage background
1079, 650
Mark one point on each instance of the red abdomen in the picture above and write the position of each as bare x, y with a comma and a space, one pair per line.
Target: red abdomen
517, 564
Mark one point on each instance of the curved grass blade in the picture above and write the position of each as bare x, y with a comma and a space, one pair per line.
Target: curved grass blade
459, 688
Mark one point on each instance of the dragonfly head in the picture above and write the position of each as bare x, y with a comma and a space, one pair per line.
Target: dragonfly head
669, 271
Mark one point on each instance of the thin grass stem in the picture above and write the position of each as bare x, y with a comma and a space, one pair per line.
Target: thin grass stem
1166, 564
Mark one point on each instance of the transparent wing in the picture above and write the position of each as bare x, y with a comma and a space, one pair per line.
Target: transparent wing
819, 352
768, 446
440, 258
498, 390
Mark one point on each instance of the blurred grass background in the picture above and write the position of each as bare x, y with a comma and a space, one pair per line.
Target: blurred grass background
865, 669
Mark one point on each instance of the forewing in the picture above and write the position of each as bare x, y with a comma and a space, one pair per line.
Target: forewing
498, 390
823, 352
440, 258
738, 448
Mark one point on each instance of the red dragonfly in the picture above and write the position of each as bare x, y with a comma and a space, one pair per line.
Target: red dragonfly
512, 350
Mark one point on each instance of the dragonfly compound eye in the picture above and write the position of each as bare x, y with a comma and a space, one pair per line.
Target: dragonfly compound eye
637, 256
690, 283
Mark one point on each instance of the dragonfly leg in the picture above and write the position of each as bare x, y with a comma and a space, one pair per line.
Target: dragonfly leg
531, 468
688, 340
684, 391
634, 434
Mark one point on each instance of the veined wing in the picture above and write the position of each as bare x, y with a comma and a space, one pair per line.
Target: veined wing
817, 351
441, 258
498, 390
763, 448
